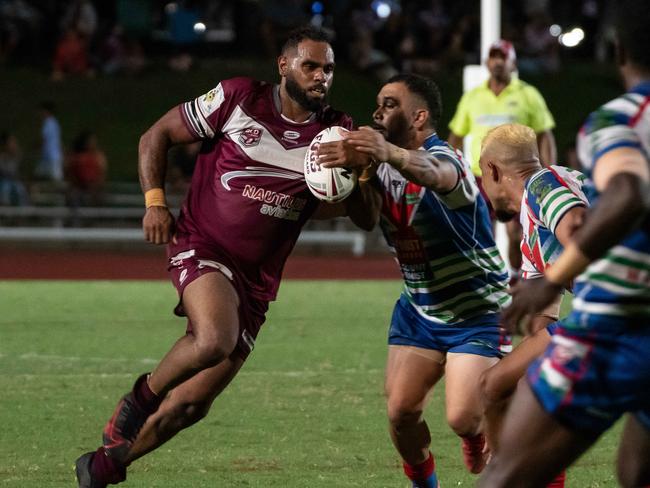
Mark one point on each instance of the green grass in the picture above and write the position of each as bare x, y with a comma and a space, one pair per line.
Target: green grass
307, 409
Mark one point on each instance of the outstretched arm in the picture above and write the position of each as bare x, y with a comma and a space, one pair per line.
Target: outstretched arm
417, 166
169, 130
623, 177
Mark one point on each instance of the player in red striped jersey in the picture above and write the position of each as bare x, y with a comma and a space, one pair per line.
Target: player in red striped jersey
550, 203
597, 367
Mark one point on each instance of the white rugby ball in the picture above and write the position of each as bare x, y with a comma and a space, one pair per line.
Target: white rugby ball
327, 184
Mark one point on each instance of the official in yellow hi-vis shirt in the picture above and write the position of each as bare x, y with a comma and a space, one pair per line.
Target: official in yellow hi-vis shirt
502, 100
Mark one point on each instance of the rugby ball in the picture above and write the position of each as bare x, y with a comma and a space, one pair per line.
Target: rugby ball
327, 184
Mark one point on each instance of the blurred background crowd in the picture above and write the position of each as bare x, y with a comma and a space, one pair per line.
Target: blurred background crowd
89, 38
77, 67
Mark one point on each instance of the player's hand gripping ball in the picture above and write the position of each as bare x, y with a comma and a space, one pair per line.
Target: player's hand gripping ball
328, 184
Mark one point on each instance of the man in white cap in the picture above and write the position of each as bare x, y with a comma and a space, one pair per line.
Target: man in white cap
503, 99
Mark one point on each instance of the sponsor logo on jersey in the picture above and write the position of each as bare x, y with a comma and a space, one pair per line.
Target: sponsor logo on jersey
212, 100
250, 136
539, 188
291, 134
275, 204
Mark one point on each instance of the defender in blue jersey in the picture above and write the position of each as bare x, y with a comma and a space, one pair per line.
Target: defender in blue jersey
446, 321
597, 366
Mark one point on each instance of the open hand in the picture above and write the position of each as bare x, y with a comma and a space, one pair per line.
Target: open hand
357, 150
369, 141
340, 154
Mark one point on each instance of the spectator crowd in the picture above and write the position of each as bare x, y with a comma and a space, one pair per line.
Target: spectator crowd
88, 37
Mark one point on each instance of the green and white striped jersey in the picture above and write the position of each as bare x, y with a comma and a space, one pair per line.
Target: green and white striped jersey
619, 283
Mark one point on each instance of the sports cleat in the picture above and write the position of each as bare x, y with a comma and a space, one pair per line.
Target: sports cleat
84, 473
96, 470
475, 455
125, 424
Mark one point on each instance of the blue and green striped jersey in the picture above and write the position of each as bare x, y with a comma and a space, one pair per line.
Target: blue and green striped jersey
619, 283
444, 243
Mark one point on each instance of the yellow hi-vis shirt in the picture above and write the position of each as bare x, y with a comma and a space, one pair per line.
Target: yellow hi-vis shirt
480, 109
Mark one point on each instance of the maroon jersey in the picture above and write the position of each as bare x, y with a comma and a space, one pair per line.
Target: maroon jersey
248, 199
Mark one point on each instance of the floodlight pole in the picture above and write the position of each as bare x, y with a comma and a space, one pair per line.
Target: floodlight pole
490, 32
490, 25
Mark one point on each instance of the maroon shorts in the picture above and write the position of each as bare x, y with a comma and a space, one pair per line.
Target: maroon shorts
187, 265
479, 182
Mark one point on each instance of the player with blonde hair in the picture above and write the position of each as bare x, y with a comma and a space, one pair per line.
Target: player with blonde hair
597, 366
550, 203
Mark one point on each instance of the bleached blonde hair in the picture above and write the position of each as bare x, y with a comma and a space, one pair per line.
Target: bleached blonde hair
512, 139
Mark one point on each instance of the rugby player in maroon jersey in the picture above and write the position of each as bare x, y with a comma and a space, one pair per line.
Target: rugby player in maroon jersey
246, 205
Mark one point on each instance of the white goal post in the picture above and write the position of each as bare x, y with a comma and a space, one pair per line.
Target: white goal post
474, 75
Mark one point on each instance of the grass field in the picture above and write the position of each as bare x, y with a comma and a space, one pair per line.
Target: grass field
306, 411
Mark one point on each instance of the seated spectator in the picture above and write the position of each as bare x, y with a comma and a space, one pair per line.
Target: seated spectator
81, 16
71, 56
20, 26
113, 51
540, 53
135, 60
12, 190
86, 171
121, 54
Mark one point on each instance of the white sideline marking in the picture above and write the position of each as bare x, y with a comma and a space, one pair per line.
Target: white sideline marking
53, 357
287, 374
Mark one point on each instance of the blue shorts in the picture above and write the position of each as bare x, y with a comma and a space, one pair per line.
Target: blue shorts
591, 374
475, 336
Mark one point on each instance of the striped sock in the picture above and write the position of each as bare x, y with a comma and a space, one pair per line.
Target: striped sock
422, 475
